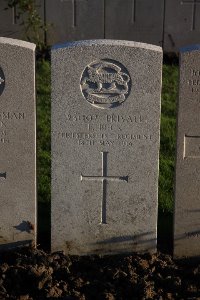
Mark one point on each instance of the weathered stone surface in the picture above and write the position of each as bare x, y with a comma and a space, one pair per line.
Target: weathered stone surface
187, 204
17, 140
69, 20
182, 22
140, 21
105, 144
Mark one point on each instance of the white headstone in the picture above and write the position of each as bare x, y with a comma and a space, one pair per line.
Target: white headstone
187, 202
105, 145
17, 140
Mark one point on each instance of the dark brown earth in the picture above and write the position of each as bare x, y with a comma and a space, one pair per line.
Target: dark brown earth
33, 274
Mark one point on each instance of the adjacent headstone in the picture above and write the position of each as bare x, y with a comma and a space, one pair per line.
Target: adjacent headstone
182, 24
140, 21
17, 140
187, 201
105, 145
68, 19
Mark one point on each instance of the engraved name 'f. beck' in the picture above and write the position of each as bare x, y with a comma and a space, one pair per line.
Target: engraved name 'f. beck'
104, 178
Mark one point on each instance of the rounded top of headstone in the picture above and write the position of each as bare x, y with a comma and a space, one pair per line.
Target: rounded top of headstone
108, 43
19, 43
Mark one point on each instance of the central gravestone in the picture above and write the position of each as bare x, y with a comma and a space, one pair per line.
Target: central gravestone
105, 145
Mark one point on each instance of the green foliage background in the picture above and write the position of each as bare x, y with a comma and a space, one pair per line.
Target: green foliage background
43, 87
167, 146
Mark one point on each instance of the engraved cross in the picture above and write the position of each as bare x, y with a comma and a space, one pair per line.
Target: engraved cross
104, 178
1, 80
194, 7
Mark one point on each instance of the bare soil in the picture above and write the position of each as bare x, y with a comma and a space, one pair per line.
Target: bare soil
33, 274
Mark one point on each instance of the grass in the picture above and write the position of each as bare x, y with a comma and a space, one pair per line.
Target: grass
43, 87
167, 148
168, 138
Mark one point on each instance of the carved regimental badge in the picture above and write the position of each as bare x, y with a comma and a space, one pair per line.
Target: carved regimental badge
2, 81
105, 83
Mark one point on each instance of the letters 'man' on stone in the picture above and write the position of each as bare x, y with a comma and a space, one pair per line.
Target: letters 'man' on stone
105, 144
17, 144
187, 200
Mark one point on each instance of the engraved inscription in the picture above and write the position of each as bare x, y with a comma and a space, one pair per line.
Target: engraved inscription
104, 178
195, 72
106, 130
124, 119
194, 81
105, 83
9, 120
192, 234
194, 4
191, 146
2, 81
109, 118
12, 115
104, 139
